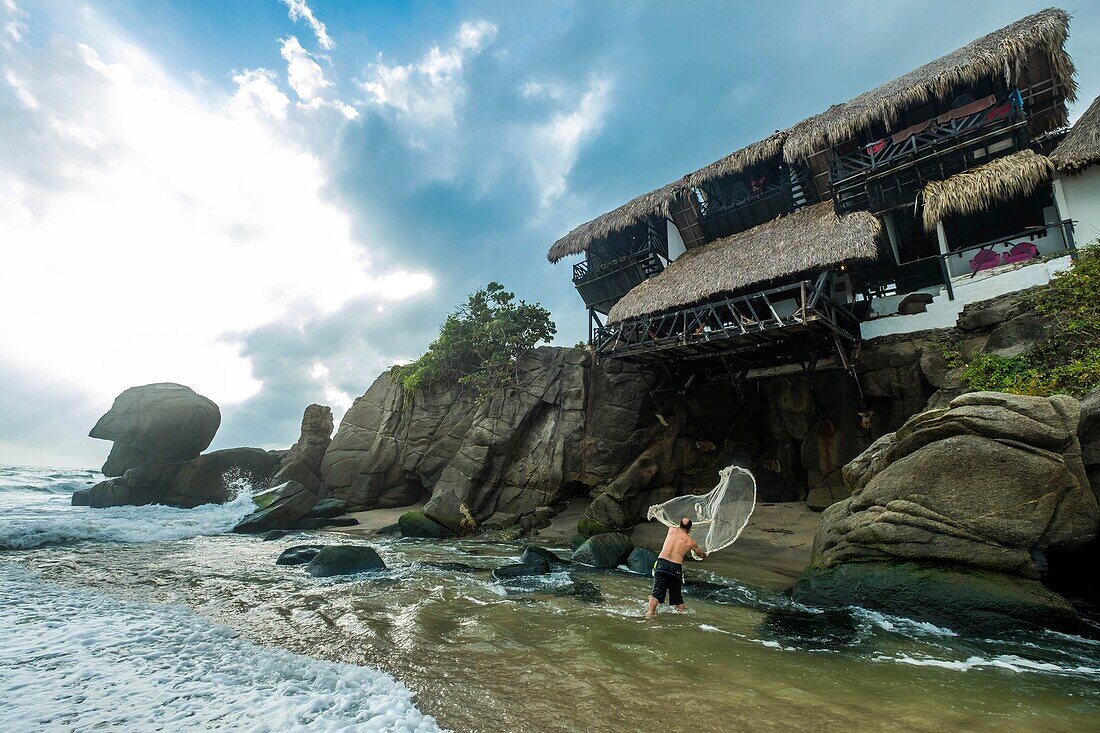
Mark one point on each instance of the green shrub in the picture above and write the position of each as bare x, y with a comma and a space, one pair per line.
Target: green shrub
1068, 361
479, 343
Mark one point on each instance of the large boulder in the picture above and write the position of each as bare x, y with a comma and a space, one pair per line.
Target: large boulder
990, 483
1089, 435
156, 423
302, 463
604, 550
280, 508
641, 560
344, 560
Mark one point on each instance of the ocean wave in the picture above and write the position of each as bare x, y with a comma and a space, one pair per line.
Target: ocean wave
16, 479
1009, 662
78, 660
152, 523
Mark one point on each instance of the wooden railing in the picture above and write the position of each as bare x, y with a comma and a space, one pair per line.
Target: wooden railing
799, 303
648, 251
884, 154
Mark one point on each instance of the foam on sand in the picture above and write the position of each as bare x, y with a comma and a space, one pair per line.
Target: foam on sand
77, 660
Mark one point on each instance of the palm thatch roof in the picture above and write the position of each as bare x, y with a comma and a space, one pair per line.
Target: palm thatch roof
807, 239
981, 188
1005, 51
1081, 147
659, 202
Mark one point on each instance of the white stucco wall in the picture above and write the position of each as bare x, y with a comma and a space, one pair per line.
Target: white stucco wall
942, 312
675, 242
1079, 199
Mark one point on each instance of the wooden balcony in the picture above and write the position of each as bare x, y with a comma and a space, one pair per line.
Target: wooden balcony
889, 172
758, 329
728, 207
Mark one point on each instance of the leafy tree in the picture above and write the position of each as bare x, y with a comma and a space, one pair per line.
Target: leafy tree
480, 342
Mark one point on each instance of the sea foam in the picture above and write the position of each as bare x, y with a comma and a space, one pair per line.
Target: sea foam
79, 661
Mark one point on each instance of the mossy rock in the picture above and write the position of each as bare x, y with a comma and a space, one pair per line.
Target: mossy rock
344, 560
967, 600
608, 550
415, 523
641, 560
532, 553
588, 527
577, 541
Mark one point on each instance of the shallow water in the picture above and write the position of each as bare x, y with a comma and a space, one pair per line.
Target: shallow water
559, 653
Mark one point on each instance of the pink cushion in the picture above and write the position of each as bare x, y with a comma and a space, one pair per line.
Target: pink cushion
984, 260
1021, 252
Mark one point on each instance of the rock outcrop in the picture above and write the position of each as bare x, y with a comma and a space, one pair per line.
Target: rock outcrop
156, 424
988, 485
159, 431
302, 463
344, 560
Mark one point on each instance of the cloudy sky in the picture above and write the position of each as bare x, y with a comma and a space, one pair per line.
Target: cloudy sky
272, 200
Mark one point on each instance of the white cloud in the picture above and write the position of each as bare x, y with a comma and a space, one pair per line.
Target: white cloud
298, 10
428, 93
144, 222
258, 89
14, 24
553, 147
305, 76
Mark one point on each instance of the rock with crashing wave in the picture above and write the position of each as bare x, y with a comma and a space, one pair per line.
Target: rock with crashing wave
985, 487
281, 507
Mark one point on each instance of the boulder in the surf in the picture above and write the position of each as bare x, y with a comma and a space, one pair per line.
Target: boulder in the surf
320, 523
532, 553
327, 508
607, 550
641, 560
289, 503
344, 560
535, 566
298, 554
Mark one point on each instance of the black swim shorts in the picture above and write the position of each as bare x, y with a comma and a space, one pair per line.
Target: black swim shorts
668, 577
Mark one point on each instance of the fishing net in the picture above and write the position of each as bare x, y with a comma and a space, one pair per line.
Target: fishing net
717, 517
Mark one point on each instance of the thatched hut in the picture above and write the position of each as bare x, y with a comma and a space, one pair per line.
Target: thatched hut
1080, 148
980, 189
1077, 187
784, 248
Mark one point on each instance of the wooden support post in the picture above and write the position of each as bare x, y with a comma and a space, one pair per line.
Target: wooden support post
946, 278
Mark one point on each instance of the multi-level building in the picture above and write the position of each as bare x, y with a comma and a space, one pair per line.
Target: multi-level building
790, 251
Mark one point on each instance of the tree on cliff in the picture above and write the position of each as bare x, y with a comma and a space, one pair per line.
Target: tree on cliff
479, 343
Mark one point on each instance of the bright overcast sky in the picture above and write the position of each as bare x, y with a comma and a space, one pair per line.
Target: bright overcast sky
272, 200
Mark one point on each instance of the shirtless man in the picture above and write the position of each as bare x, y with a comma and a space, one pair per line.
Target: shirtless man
668, 571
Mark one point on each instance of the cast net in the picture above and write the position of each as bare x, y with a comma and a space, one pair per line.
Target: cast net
717, 517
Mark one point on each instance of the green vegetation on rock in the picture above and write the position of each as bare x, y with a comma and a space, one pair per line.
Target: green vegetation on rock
1068, 360
415, 523
588, 527
479, 343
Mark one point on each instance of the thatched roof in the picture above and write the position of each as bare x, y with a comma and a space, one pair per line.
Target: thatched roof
739, 160
1081, 146
809, 238
980, 188
659, 202
1001, 52
654, 203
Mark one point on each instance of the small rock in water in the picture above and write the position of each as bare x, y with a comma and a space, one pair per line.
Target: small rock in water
321, 523
276, 534
537, 566
641, 560
585, 591
607, 550
344, 560
532, 553
82, 497
328, 508
298, 555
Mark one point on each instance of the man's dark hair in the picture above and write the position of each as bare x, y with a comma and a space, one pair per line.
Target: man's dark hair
685, 524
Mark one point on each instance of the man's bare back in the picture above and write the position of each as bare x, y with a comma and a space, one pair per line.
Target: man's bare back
677, 544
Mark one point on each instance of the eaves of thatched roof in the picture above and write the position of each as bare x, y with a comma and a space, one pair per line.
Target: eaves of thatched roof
659, 202
1003, 52
1081, 146
983, 187
804, 240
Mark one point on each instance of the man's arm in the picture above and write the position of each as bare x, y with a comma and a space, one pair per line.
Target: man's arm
697, 549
